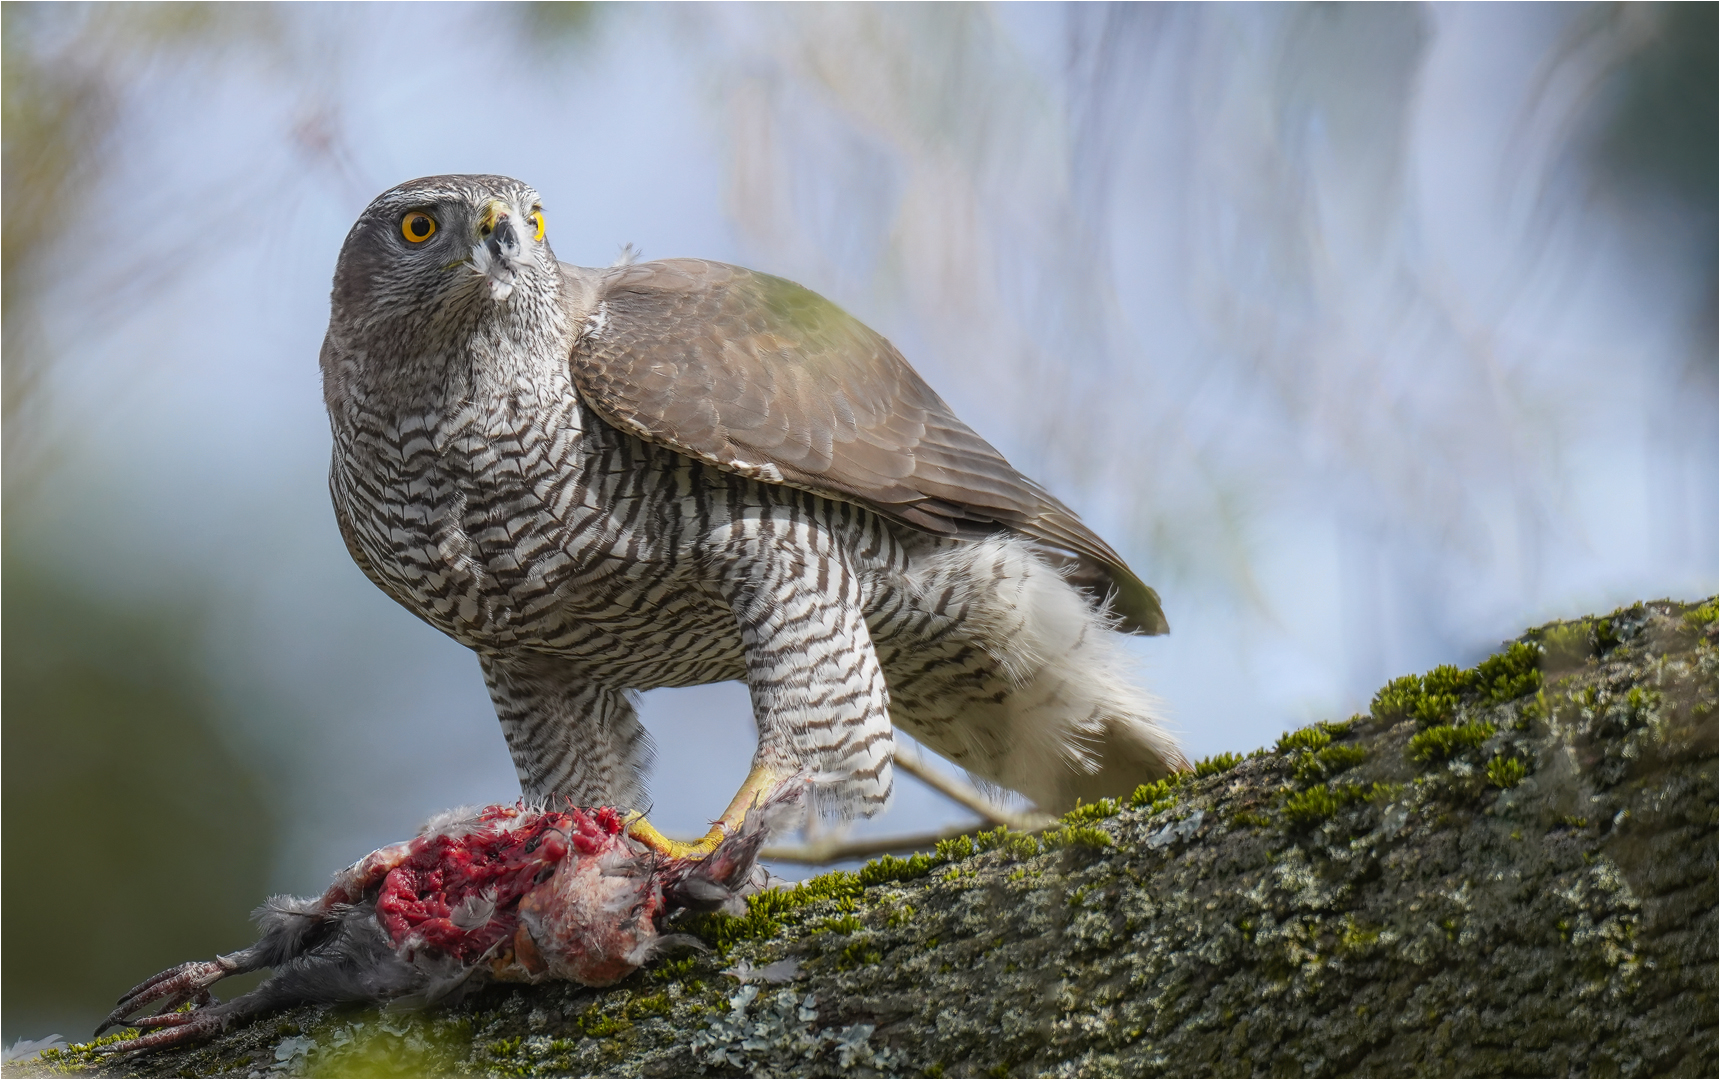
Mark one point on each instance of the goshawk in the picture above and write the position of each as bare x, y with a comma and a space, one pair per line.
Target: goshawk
683, 472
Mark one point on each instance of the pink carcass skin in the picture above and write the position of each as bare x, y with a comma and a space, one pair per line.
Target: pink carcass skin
509, 893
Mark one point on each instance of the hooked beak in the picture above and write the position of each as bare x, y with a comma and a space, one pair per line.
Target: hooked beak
497, 254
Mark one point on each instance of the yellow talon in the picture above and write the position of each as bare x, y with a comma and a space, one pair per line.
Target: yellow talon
758, 782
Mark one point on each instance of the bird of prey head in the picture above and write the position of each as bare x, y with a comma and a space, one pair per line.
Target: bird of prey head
468, 237
428, 263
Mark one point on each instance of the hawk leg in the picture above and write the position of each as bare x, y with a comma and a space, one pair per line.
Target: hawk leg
568, 737
817, 688
582, 742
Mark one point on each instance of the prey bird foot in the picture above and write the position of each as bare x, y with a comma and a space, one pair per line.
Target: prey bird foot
172, 988
171, 1029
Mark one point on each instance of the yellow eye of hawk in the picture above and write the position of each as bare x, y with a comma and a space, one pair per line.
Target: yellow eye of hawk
417, 226
537, 216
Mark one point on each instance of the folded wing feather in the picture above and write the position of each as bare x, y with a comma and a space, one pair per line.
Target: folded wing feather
757, 375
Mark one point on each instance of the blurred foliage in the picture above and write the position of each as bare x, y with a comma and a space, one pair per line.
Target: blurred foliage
563, 19
1657, 144
559, 28
55, 118
133, 839
65, 72
1662, 129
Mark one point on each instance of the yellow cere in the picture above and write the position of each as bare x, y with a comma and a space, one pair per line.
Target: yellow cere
417, 226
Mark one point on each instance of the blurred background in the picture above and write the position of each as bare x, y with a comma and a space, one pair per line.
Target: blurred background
1370, 335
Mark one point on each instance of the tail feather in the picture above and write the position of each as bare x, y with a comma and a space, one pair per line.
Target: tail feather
1066, 718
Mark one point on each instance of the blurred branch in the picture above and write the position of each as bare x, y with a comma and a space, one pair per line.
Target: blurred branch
834, 850
908, 759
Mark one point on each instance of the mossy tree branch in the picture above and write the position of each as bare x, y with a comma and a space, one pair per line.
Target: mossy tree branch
1504, 870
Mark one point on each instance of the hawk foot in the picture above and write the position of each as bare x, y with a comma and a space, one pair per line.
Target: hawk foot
646, 833
762, 786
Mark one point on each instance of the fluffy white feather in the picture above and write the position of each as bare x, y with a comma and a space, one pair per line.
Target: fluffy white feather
1065, 689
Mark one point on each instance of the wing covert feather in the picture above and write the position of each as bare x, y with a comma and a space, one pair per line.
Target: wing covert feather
759, 376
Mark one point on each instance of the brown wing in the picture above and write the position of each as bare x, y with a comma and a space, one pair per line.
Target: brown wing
759, 376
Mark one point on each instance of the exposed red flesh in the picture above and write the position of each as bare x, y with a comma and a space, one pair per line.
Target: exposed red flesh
511, 893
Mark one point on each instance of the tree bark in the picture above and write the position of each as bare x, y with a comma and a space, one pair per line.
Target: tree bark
1509, 870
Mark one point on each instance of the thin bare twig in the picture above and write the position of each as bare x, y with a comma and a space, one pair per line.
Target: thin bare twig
837, 849
909, 761
820, 852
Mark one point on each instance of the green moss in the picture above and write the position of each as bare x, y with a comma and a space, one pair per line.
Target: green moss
1357, 938
857, 954
1158, 791
956, 849
1573, 642
1540, 708
1306, 808
1248, 819
1077, 836
1091, 812
1218, 763
1395, 701
674, 970
1568, 642
654, 1005
1329, 761
1699, 618
1506, 772
769, 912
1434, 699
87, 1055
1018, 845
847, 924
1606, 635
593, 1024
1641, 701
888, 868
1507, 676
1441, 692
1446, 741
1311, 739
